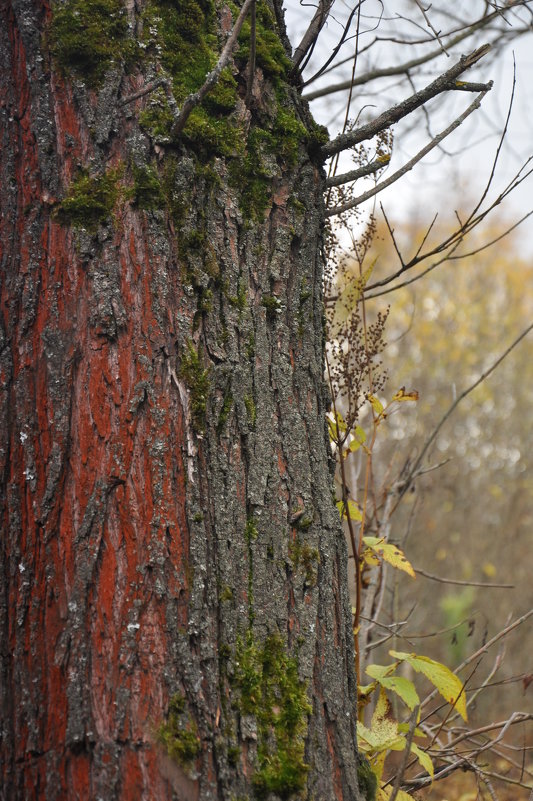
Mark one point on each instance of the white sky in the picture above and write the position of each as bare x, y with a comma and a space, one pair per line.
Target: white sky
438, 182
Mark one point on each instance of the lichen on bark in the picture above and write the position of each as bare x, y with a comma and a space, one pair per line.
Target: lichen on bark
166, 416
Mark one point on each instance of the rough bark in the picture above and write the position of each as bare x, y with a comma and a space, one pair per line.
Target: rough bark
153, 550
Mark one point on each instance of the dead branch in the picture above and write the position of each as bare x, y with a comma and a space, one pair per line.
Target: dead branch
196, 98
443, 83
410, 164
462, 583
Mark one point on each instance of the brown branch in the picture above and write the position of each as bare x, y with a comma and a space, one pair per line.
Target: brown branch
251, 65
410, 164
310, 36
150, 87
407, 66
443, 83
195, 98
456, 403
353, 175
462, 583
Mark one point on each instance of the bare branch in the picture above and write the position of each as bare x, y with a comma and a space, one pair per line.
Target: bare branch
455, 404
443, 83
150, 87
410, 164
196, 98
353, 175
407, 66
462, 583
253, 45
430, 25
311, 34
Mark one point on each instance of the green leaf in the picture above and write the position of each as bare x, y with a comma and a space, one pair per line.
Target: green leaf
350, 510
336, 425
424, 759
359, 438
376, 404
390, 553
401, 686
446, 682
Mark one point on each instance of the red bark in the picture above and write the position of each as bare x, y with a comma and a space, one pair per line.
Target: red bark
102, 474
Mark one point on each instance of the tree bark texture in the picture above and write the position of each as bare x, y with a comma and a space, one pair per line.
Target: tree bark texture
168, 528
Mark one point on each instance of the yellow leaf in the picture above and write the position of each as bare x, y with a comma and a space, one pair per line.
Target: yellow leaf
370, 558
390, 553
402, 395
397, 684
384, 793
359, 438
424, 759
376, 404
447, 683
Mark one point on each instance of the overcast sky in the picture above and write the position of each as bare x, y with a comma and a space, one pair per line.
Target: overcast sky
438, 178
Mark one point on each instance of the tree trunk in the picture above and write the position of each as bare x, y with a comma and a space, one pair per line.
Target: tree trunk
174, 607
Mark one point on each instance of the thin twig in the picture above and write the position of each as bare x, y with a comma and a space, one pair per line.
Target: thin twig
353, 175
443, 83
150, 87
310, 36
406, 754
411, 163
196, 98
462, 583
253, 45
455, 404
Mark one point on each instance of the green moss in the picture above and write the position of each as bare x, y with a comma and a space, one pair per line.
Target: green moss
272, 304
271, 690
227, 406
87, 37
250, 409
305, 558
226, 594
270, 53
179, 734
147, 193
250, 532
249, 175
197, 379
250, 346
182, 36
289, 134
368, 783
90, 200
198, 517
239, 300
157, 119
234, 753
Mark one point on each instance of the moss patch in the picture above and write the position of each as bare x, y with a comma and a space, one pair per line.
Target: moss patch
90, 200
196, 376
146, 192
87, 37
367, 779
270, 689
179, 734
305, 558
181, 35
270, 54
250, 409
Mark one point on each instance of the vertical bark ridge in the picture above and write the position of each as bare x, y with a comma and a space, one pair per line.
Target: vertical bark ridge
153, 538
